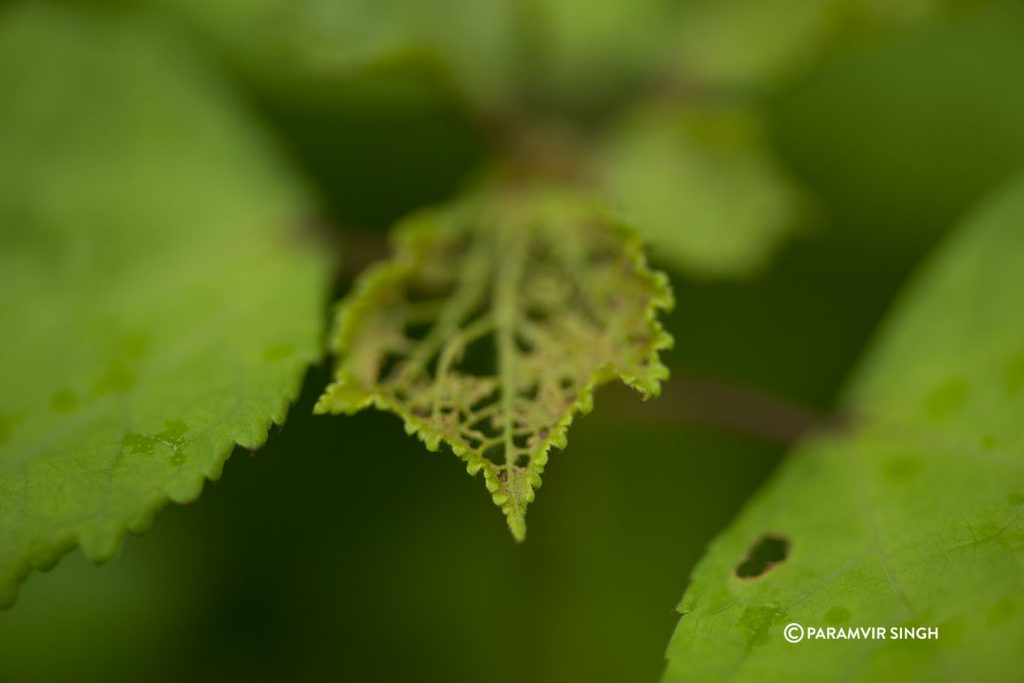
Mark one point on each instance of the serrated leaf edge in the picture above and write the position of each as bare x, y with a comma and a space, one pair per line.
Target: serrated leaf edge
344, 395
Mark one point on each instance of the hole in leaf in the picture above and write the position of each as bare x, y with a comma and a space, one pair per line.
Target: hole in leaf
427, 290
484, 424
523, 461
417, 331
486, 401
530, 393
479, 358
767, 552
389, 366
523, 344
496, 454
537, 314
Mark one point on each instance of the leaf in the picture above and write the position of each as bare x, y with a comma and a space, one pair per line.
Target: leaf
500, 53
592, 53
296, 40
753, 44
913, 517
739, 43
491, 327
157, 305
701, 186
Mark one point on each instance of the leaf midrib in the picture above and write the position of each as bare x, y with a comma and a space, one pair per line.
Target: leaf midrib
510, 252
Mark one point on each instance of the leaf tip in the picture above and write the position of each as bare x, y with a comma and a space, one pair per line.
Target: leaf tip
517, 525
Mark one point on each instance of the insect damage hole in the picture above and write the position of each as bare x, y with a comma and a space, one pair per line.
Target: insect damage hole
767, 551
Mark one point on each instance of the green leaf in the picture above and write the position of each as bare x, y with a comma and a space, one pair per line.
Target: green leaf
157, 302
912, 517
295, 39
751, 43
496, 51
701, 186
739, 43
491, 327
592, 52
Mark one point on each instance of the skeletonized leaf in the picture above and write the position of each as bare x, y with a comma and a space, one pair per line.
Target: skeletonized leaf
491, 327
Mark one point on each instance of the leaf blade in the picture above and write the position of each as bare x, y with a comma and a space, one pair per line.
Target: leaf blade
911, 519
676, 173
504, 267
144, 242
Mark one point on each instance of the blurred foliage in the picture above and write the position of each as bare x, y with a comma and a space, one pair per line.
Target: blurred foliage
341, 550
912, 516
677, 171
137, 349
899, 138
750, 44
309, 563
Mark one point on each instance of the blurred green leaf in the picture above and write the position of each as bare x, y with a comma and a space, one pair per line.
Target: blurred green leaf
702, 187
499, 53
749, 42
912, 518
584, 52
158, 302
899, 139
492, 326
753, 43
283, 39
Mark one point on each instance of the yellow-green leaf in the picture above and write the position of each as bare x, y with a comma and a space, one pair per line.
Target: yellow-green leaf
491, 326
